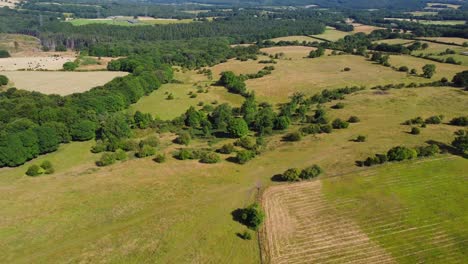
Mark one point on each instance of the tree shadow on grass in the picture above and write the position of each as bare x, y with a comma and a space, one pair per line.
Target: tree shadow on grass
277, 178
237, 215
447, 148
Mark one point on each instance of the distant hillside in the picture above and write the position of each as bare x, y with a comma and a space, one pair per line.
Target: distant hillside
359, 4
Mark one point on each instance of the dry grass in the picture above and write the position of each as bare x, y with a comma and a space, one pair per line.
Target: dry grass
290, 52
458, 41
34, 63
62, 83
25, 43
332, 34
361, 28
442, 69
9, 3
238, 67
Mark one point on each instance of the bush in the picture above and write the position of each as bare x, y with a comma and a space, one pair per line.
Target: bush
244, 156
106, 160
354, 119
246, 235
339, 124
310, 172
293, 136
34, 170
184, 154
460, 121
183, 139
248, 143
3, 80
253, 216
120, 154
47, 167
428, 151
4, 54
326, 128
338, 106
401, 153
160, 158
145, 151
227, 149
415, 131
152, 141
347, 69
415, 121
311, 129
291, 175
210, 158
434, 119
237, 128
70, 66
361, 138
129, 145
403, 69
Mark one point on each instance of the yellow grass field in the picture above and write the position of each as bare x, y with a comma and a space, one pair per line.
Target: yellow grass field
34, 63
59, 82
361, 28
25, 43
332, 34
442, 69
459, 41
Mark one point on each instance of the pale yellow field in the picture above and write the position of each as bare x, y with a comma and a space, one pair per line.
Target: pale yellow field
361, 28
459, 41
295, 38
293, 52
442, 69
238, 67
34, 63
8, 3
332, 34
59, 82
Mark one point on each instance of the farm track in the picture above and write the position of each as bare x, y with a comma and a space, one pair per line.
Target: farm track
303, 227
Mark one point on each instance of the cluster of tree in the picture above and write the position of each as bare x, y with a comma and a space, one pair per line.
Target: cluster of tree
400, 153
461, 141
204, 156
3, 80
46, 167
32, 124
459, 121
263, 72
294, 174
319, 52
252, 216
232, 82
461, 79
4, 54
434, 120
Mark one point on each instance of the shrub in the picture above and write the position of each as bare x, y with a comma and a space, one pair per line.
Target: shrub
428, 151
237, 128
401, 153
339, 124
106, 160
460, 121
346, 69
327, 128
70, 66
253, 216
293, 136
246, 235
152, 141
461, 141
183, 139
361, 138
311, 129
99, 147
415, 121
414, 71
282, 123
210, 158
120, 154
160, 158
4, 54
403, 69
184, 154
244, 156
129, 145
354, 119
338, 106
3, 80
434, 119
310, 172
415, 131
145, 151
227, 149
34, 170
47, 167
248, 143
291, 175
170, 97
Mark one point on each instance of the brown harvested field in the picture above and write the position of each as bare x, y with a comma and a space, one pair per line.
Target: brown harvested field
62, 83
34, 63
303, 227
361, 28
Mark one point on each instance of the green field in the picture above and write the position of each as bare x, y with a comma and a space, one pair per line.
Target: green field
332, 34
435, 49
416, 211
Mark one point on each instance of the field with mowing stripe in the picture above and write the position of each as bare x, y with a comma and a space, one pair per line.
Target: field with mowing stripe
398, 213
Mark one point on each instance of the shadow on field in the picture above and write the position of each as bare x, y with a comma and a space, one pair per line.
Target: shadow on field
277, 178
237, 215
444, 148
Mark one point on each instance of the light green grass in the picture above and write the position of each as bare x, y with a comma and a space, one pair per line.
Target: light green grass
435, 49
395, 41
332, 34
423, 208
158, 105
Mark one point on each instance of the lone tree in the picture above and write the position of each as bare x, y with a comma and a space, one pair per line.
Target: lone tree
429, 70
3, 80
461, 141
461, 79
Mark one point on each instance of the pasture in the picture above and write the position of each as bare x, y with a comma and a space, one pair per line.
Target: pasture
435, 49
442, 69
179, 211
332, 34
59, 82
392, 214
158, 104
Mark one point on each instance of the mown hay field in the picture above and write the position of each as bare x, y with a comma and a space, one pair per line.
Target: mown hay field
180, 211
397, 213
59, 82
